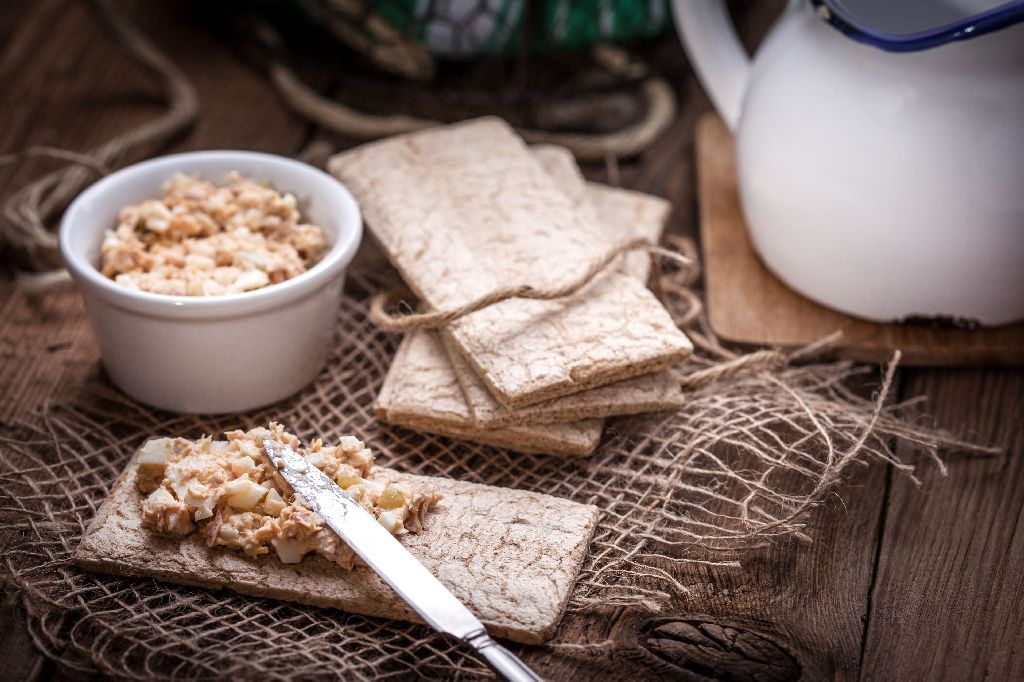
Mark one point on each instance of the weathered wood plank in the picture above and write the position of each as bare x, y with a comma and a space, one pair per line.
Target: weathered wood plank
10, 15
65, 85
808, 601
791, 609
948, 601
70, 87
18, 659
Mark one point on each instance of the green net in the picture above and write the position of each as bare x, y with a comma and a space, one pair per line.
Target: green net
466, 28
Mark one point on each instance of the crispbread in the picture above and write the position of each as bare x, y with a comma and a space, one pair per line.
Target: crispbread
421, 392
422, 397
619, 213
653, 392
627, 213
511, 556
463, 210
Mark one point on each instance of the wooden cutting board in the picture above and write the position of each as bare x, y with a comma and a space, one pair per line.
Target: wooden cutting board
748, 304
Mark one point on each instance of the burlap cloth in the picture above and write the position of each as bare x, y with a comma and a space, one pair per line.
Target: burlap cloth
744, 462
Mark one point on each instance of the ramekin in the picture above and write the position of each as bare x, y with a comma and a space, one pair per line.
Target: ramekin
213, 354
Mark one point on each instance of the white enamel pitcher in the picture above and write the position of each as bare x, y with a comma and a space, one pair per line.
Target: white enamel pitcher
881, 160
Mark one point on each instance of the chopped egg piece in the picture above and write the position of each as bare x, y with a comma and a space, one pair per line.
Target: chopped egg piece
243, 465
152, 463
244, 493
273, 504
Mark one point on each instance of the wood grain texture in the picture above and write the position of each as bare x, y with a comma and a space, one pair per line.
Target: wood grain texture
948, 602
64, 84
748, 304
805, 604
810, 605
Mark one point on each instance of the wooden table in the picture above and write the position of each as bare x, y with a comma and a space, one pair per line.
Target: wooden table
901, 582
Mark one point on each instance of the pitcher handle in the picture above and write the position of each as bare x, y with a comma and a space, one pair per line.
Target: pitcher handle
715, 51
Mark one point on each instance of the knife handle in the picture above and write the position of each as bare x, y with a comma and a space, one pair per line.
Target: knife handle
503, 661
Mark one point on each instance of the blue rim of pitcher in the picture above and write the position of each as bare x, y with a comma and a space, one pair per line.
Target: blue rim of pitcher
835, 14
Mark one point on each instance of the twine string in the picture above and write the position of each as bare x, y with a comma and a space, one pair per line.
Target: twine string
677, 284
758, 361
628, 141
29, 210
380, 303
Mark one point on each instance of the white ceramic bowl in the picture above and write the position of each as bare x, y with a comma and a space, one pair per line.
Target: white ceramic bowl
220, 353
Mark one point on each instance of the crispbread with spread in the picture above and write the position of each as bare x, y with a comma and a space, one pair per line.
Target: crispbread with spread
464, 210
421, 392
511, 556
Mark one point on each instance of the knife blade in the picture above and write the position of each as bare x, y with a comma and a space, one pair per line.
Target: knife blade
382, 552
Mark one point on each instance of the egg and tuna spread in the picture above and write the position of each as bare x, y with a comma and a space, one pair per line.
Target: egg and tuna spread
230, 492
202, 239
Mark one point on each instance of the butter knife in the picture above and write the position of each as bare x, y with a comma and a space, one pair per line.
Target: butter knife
391, 561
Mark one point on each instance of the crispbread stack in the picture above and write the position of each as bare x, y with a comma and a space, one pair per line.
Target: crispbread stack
464, 210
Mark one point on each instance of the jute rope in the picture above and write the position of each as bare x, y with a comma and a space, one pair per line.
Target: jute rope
758, 361
437, 319
31, 209
356, 24
76, 158
330, 114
